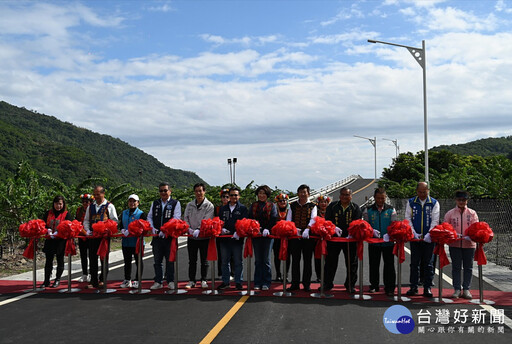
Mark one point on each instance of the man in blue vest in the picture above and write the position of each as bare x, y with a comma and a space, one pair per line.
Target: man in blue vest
380, 215
422, 212
161, 211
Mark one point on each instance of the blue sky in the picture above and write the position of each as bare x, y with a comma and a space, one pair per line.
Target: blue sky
281, 85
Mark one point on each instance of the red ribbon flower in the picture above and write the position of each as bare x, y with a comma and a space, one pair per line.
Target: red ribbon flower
69, 230
104, 229
139, 228
32, 229
442, 234
361, 231
174, 228
400, 232
247, 228
211, 228
325, 230
284, 230
481, 233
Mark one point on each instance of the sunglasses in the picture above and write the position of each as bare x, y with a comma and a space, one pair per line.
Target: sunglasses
234, 195
226, 196
163, 190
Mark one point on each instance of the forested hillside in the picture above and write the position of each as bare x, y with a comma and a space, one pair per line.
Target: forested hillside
72, 154
483, 147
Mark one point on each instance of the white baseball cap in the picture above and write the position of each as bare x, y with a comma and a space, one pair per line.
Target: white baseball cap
133, 196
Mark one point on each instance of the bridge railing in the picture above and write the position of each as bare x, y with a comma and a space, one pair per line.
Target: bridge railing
329, 188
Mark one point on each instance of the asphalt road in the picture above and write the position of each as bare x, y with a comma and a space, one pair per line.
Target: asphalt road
50, 317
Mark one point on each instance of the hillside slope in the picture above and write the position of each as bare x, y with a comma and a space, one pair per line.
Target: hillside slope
73, 154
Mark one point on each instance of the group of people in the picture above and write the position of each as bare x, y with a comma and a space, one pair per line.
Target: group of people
422, 211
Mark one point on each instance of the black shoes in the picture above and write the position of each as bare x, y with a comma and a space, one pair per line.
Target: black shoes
307, 288
45, 284
412, 292
56, 283
427, 292
239, 286
373, 290
293, 287
223, 286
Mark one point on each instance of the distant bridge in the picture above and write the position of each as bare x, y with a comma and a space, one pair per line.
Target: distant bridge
362, 189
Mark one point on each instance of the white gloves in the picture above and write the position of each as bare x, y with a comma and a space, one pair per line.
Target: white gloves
427, 238
224, 231
338, 231
386, 237
190, 231
154, 231
265, 232
298, 231
305, 234
416, 235
161, 235
465, 237
125, 232
235, 236
376, 233
195, 234
89, 233
49, 231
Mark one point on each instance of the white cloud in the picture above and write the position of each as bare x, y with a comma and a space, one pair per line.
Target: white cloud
244, 41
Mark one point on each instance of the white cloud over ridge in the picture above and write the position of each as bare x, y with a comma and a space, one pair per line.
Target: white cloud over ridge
284, 111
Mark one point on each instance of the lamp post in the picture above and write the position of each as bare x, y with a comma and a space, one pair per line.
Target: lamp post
397, 148
374, 144
230, 172
419, 55
234, 170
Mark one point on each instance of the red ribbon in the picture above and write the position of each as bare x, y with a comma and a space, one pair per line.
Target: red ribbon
480, 257
443, 258
103, 249
399, 251
248, 247
212, 250
360, 249
320, 248
173, 250
70, 247
30, 250
137, 247
283, 249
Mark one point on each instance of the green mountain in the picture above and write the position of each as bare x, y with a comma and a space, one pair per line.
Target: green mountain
73, 154
483, 147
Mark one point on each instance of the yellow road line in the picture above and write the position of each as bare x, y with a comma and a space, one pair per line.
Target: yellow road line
364, 187
224, 321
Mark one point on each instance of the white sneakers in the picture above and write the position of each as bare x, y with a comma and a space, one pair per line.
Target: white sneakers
190, 284
126, 284
456, 294
84, 278
156, 285
264, 288
204, 284
467, 295
170, 285
135, 284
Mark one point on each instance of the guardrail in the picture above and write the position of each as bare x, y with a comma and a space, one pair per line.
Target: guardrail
329, 188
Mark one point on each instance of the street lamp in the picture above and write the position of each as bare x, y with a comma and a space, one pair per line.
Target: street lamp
397, 148
419, 55
374, 144
232, 172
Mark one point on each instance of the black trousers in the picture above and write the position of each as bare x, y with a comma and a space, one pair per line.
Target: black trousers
94, 244
193, 246
128, 255
276, 246
304, 248
331, 262
83, 245
54, 248
374, 253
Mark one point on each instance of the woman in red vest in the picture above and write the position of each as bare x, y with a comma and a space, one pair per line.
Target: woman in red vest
54, 246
